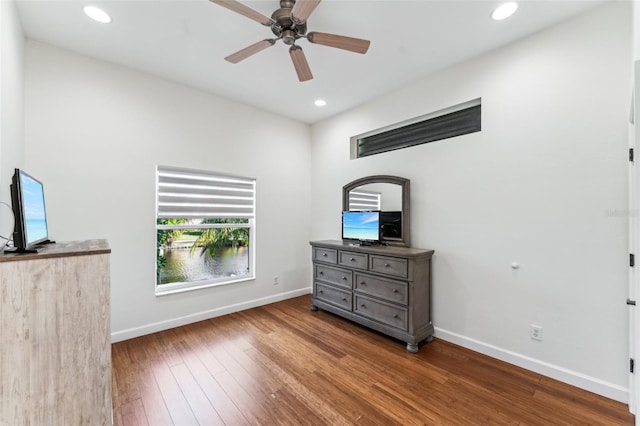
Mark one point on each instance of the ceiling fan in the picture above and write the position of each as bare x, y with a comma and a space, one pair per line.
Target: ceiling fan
289, 23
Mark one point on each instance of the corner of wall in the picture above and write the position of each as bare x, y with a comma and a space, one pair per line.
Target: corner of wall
12, 44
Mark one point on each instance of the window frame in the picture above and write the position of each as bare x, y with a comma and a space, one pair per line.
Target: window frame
250, 224
457, 120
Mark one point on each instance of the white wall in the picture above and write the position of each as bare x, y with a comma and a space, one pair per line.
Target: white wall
11, 99
94, 134
543, 185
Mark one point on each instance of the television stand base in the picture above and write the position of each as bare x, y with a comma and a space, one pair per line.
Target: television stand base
367, 244
16, 250
19, 250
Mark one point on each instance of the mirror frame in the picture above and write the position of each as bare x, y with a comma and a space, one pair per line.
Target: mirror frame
406, 202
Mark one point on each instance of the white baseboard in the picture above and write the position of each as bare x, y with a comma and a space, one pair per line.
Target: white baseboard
130, 333
573, 378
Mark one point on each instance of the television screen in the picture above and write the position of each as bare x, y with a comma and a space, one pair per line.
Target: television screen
27, 197
361, 225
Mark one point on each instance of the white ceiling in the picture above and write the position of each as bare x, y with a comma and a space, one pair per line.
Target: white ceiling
185, 41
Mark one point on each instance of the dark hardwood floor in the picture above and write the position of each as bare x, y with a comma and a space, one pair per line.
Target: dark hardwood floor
283, 364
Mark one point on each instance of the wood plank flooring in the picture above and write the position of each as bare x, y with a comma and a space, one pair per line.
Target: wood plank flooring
282, 364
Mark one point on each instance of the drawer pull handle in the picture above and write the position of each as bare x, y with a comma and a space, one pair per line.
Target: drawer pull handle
395, 290
344, 278
324, 254
352, 259
386, 265
321, 291
396, 316
344, 299
320, 273
363, 306
363, 283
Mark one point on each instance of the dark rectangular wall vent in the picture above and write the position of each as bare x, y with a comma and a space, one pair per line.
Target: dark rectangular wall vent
467, 119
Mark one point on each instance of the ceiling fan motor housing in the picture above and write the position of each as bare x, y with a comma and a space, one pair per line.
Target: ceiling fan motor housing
284, 27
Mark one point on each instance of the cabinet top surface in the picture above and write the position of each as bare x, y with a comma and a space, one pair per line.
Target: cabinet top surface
60, 249
380, 249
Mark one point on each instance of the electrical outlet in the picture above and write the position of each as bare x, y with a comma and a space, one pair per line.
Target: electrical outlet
276, 280
535, 332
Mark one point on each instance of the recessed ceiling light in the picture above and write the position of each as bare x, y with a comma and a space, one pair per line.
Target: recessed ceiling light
320, 102
97, 14
504, 11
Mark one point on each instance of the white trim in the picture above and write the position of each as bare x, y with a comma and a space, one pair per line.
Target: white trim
130, 333
634, 236
591, 384
184, 286
632, 291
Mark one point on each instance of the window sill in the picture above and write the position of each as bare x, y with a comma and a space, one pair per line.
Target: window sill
167, 289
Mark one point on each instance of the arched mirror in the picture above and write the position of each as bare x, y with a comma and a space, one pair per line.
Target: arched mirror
390, 195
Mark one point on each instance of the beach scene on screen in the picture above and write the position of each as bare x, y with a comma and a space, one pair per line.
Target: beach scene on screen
34, 211
361, 225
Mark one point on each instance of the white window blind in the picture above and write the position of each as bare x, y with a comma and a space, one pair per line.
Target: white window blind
185, 193
364, 200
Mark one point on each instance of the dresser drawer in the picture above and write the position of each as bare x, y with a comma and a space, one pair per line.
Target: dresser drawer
334, 296
386, 313
394, 291
353, 260
336, 276
325, 255
394, 266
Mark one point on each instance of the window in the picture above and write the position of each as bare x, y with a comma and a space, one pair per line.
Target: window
364, 200
205, 227
457, 120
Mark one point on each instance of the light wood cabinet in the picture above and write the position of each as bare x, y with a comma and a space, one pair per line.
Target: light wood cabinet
55, 359
384, 288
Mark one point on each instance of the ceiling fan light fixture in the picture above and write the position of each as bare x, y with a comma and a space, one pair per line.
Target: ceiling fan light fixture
97, 14
288, 37
320, 102
504, 11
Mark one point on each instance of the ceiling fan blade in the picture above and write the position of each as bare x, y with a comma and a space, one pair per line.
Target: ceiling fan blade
240, 8
250, 50
300, 63
303, 9
352, 44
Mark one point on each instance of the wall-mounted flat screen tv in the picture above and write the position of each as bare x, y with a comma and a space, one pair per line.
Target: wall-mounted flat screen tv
27, 200
361, 225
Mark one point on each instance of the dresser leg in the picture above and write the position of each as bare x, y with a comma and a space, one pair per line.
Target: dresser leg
412, 347
313, 307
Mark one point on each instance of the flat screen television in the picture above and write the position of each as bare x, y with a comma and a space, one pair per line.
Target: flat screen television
362, 226
27, 201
